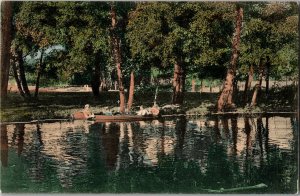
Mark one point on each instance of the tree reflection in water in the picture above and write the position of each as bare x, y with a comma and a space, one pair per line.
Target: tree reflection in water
4, 146
177, 156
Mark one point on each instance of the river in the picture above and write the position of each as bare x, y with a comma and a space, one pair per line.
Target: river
178, 155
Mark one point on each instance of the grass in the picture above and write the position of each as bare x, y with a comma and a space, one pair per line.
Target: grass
53, 105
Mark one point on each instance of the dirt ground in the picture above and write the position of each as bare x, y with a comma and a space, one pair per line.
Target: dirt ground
205, 89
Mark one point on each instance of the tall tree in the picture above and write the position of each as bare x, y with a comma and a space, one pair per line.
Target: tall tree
131, 91
18, 68
257, 88
225, 99
270, 29
6, 32
85, 37
35, 21
40, 68
248, 83
116, 52
181, 35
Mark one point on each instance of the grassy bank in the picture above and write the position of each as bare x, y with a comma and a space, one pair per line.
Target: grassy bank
61, 104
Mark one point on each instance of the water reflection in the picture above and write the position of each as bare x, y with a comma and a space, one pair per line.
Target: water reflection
176, 155
109, 134
4, 146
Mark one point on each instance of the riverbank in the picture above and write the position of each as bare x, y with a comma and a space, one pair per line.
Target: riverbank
59, 105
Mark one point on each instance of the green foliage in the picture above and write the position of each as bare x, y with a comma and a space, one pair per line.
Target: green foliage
196, 34
154, 34
270, 29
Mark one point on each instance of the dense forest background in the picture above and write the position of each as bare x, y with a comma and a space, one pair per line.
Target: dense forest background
167, 44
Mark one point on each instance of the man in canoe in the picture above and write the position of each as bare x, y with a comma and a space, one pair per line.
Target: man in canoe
87, 112
84, 114
148, 111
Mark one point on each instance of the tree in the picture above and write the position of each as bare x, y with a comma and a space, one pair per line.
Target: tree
19, 72
258, 85
131, 91
116, 52
36, 22
225, 100
6, 27
84, 34
270, 32
248, 83
178, 34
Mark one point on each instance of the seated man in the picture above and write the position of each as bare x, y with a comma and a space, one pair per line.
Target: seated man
87, 112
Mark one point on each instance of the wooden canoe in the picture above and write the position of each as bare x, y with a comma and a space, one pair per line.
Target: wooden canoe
113, 118
122, 118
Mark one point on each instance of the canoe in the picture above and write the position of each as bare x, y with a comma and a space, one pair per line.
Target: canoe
79, 116
122, 118
113, 118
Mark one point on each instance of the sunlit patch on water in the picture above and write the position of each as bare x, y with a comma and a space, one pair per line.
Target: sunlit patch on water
190, 155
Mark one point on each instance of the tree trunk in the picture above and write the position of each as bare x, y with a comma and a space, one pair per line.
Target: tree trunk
6, 31
19, 73
23, 80
95, 83
116, 50
258, 85
225, 99
17, 78
201, 86
131, 91
39, 72
268, 65
178, 84
193, 85
248, 83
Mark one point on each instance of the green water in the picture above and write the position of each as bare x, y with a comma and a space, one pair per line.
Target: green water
175, 156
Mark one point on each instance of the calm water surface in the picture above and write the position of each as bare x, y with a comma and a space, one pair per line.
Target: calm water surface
178, 156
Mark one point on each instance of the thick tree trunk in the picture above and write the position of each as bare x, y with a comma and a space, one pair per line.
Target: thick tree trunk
6, 36
39, 72
178, 84
258, 85
225, 100
248, 83
131, 91
116, 50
